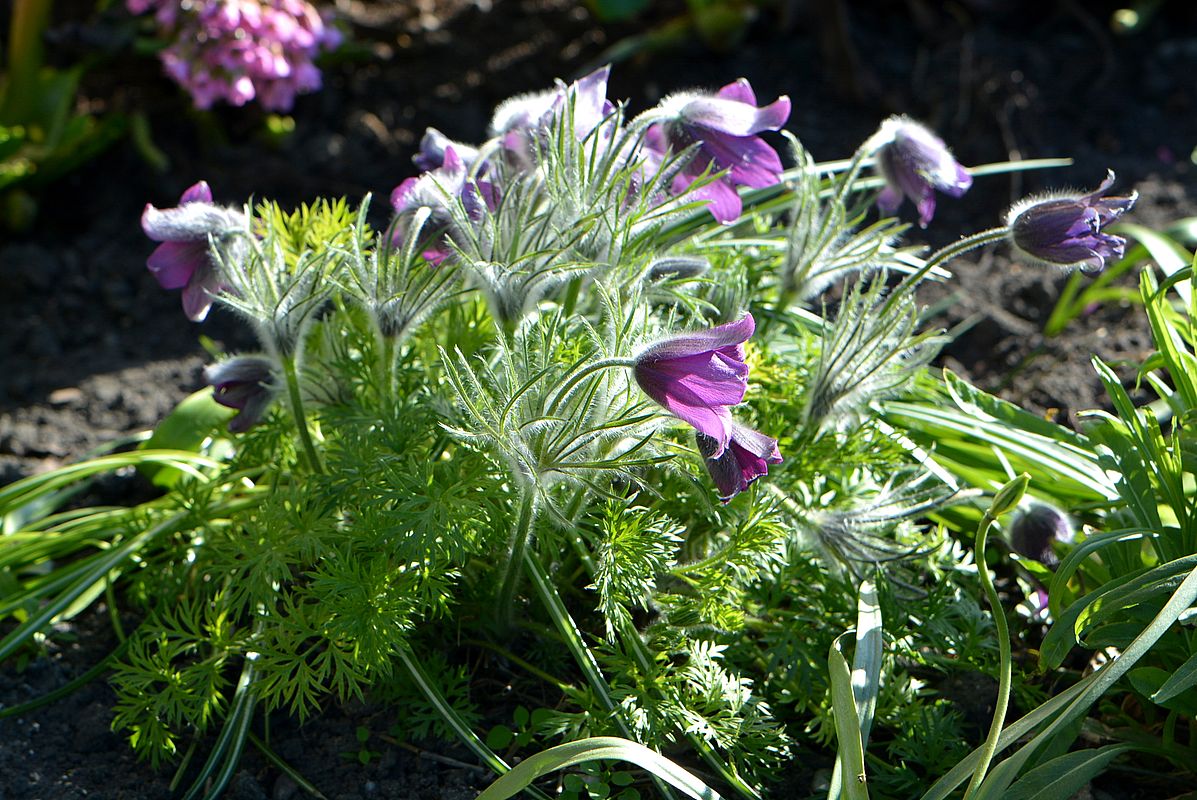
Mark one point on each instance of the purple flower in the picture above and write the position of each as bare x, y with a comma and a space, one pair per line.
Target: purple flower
724, 126
915, 163
1034, 529
245, 383
1067, 230
183, 260
436, 190
747, 457
698, 376
242, 50
433, 145
520, 121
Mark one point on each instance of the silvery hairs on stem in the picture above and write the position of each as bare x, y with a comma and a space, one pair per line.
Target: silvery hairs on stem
552, 416
860, 533
822, 244
871, 350
280, 299
395, 285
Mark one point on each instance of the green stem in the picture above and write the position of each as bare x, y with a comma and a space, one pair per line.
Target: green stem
301, 420
589, 369
517, 547
1003, 635
955, 250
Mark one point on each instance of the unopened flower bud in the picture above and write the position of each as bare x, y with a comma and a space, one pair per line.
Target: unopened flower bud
246, 383
678, 267
1033, 530
1067, 230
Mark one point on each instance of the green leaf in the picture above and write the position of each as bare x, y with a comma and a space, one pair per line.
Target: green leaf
1063, 777
1182, 680
499, 737
184, 429
1149, 680
847, 725
599, 747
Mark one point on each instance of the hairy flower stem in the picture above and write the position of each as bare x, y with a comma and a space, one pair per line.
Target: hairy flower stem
589, 369
954, 250
517, 547
1003, 635
301, 421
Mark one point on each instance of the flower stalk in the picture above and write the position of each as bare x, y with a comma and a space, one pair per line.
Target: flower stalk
517, 546
291, 374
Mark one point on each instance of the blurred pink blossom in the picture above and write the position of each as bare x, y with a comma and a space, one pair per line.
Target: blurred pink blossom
239, 51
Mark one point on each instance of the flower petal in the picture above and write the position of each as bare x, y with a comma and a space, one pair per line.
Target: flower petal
173, 263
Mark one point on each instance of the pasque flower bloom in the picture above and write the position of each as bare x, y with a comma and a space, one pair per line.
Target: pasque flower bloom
246, 383
518, 121
436, 190
1068, 230
915, 163
698, 376
184, 260
725, 128
746, 457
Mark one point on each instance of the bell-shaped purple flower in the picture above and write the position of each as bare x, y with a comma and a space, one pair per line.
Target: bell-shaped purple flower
183, 260
746, 457
520, 121
436, 190
698, 376
246, 383
1068, 230
725, 128
1033, 530
916, 163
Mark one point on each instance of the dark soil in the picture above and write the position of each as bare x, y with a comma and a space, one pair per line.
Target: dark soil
92, 349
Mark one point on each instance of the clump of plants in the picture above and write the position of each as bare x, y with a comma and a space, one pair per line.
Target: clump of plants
632, 408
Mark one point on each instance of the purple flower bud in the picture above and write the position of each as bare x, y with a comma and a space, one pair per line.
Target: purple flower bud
1067, 230
915, 163
746, 457
246, 383
725, 127
1033, 530
698, 376
183, 260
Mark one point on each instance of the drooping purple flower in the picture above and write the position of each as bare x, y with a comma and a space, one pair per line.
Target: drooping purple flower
436, 190
246, 383
519, 122
725, 128
746, 457
1033, 530
915, 164
1068, 230
698, 376
183, 260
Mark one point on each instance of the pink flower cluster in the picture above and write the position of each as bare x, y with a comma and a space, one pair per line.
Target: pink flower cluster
242, 50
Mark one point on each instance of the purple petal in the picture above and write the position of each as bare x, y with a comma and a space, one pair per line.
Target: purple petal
197, 193
750, 161
734, 118
173, 263
721, 197
721, 336
739, 90
199, 293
